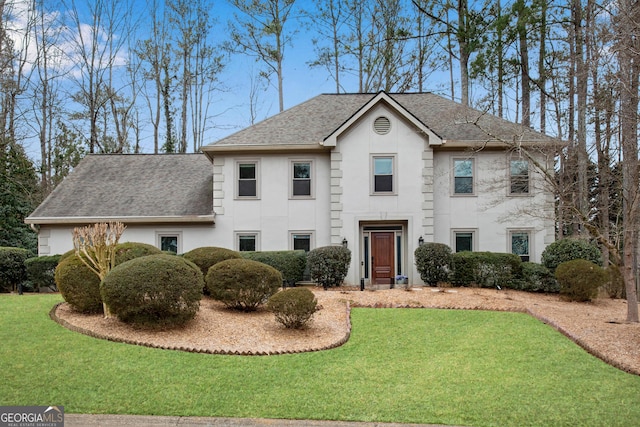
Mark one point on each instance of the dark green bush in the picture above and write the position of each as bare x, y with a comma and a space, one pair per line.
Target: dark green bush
537, 278
208, 256
154, 291
41, 271
130, 250
615, 287
12, 269
293, 307
569, 249
290, 263
486, 269
433, 261
328, 265
78, 285
242, 284
580, 279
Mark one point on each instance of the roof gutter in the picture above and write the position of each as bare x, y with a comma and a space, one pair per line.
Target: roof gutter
193, 219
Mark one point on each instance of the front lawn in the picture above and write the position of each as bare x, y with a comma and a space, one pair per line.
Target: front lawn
473, 368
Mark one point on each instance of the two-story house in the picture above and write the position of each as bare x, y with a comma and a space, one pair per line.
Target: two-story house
379, 173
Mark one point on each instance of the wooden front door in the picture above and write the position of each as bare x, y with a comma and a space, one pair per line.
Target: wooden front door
382, 254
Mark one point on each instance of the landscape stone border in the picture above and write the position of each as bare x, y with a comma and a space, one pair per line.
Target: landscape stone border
589, 349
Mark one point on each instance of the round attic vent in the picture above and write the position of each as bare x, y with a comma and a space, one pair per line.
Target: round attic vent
382, 125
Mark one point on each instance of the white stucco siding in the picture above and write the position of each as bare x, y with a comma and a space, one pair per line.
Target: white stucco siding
273, 215
360, 204
490, 213
54, 240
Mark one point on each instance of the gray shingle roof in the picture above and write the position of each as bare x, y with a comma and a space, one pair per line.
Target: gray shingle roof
171, 187
312, 121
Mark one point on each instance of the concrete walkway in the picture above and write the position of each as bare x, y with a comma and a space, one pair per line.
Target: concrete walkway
80, 420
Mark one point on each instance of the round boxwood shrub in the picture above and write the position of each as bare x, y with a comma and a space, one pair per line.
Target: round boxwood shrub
569, 249
293, 307
130, 250
580, 279
242, 284
433, 261
537, 278
615, 287
328, 265
208, 256
78, 285
12, 269
154, 291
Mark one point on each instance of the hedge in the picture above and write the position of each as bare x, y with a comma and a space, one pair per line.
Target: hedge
291, 264
328, 265
12, 268
486, 269
41, 271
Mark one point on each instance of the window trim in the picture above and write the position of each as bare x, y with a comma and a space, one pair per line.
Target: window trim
511, 177
394, 175
473, 176
292, 178
474, 238
311, 235
176, 234
528, 232
236, 181
254, 234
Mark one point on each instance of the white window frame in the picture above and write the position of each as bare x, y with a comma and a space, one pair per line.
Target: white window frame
236, 184
510, 191
394, 174
474, 238
311, 235
528, 232
254, 234
176, 234
473, 176
292, 178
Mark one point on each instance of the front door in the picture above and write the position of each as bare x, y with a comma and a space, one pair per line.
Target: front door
382, 254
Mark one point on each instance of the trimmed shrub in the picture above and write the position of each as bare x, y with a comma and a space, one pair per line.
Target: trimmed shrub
131, 250
486, 269
569, 249
580, 279
537, 278
41, 271
242, 284
154, 291
78, 285
328, 265
290, 263
12, 269
615, 287
208, 256
433, 261
293, 307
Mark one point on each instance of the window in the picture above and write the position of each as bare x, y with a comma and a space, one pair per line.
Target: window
463, 240
519, 176
519, 241
169, 242
248, 179
383, 174
247, 242
301, 184
463, 176
301, 241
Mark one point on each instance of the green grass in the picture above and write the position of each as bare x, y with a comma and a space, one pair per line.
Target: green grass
468, 368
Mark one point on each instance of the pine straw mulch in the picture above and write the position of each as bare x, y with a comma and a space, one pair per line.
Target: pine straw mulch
600, 327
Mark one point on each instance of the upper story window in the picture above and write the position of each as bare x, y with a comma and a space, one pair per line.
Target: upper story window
519, 176
463, 176
301, 182
383, 174
247, 179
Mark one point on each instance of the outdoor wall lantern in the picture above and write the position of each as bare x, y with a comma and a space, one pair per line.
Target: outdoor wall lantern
420, 241
344, 242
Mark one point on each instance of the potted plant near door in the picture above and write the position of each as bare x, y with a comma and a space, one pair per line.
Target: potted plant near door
401, 279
